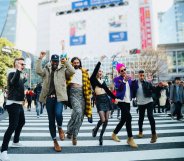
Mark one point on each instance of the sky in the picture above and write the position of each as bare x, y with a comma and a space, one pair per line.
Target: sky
27, 22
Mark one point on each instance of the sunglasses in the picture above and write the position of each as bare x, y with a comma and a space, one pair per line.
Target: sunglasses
22, 64
123, 70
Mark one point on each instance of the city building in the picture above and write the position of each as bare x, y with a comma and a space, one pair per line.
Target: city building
95, 27
8, 19
171, 24
133, 64
175, 53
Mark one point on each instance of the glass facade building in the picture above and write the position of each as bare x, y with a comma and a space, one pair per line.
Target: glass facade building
8, 19
179, 12
175, 59
171, 24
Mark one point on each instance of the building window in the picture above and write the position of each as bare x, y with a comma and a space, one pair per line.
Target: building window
180, 70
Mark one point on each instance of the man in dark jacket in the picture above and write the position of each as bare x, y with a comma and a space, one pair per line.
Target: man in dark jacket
14, 107
177, 97
39, 105
143, 93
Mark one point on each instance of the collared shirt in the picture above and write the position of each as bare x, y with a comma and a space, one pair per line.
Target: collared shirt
77, 77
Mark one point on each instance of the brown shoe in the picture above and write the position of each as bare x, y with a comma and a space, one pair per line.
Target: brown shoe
140, 135
57, 148
115, 137
131, 142
74, 141
61, 134
153, 138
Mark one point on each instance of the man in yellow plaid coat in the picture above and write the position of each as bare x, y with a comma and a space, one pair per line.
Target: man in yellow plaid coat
79, 95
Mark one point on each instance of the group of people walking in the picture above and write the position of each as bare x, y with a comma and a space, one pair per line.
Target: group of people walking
68, 83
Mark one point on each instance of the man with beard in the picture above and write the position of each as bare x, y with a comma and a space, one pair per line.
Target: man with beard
143, 91
80, 92
54, 92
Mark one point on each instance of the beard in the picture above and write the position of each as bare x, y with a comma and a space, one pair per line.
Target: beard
76, 66
54, 66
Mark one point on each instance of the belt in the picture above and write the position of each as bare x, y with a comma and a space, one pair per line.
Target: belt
75, 85
52, 96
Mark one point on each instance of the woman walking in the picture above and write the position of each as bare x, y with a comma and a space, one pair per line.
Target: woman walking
102, 101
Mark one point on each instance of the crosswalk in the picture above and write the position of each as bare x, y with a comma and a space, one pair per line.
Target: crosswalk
38, 145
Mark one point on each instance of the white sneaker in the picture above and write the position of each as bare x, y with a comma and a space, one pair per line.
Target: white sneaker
17, 145
4, 156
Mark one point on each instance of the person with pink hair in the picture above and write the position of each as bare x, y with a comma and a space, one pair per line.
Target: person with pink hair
124, 90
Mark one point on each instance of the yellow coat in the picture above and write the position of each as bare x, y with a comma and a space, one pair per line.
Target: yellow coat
86, 90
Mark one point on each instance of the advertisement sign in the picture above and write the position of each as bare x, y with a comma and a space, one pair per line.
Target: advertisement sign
145, 24
103, 2
90, 3
78, 33
80, 4
118, 28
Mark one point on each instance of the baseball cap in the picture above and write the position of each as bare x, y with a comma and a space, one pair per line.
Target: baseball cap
55, 57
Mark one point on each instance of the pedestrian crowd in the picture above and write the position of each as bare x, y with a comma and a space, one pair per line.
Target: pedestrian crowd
68, 84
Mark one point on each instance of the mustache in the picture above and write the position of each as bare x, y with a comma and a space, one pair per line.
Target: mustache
76, 66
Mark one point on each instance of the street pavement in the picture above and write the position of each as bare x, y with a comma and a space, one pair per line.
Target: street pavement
38, 145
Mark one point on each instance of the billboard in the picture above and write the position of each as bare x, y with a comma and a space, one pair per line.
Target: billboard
145, 24
77, 33
97, 32
90, 3
118, 28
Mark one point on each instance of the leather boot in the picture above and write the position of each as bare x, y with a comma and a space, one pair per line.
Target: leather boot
115, 137
57, 148
153, 138
61, 134
140, 135
94, 132
74, 141
101, 140
131, 142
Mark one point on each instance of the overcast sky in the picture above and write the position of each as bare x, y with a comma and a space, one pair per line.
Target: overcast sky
27, 25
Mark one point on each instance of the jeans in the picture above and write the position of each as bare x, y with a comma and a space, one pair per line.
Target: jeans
125, 118
54, 111
177, 110
39, 108
151, 119
16, 122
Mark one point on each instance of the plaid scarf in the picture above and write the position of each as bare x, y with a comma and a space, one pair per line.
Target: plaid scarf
86, 91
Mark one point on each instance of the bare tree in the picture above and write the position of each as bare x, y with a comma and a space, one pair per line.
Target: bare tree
153, 62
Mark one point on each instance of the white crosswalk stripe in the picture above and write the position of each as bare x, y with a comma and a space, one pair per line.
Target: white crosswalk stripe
36, 139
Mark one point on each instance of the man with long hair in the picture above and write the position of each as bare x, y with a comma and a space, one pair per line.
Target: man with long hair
80, 94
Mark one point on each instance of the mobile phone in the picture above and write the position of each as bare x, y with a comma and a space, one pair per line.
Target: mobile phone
63, 56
